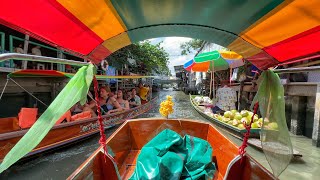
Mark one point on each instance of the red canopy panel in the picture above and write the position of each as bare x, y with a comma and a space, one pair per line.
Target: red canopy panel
49, 20
307, 42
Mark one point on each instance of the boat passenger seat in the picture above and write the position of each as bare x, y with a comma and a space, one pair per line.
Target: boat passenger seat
27, 117
66, 116
83, 115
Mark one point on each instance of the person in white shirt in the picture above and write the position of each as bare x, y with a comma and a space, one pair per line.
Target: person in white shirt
19, 49
36, 51
226, 98
134, 100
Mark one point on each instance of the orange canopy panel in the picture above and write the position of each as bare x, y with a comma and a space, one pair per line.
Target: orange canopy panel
264, 32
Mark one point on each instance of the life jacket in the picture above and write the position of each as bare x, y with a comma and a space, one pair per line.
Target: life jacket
83, 115
27, 117
66, 116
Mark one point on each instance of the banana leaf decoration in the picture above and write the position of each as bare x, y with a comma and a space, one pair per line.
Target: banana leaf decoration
275, 138
76, 90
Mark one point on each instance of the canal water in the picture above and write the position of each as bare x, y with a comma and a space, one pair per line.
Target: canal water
62, 162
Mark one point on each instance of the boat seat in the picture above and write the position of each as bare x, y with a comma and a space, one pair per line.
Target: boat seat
83, 115
27, 117
66, 116
9, 124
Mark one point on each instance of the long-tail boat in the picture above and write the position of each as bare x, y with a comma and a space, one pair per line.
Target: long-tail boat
126, 143
64, 133
254, 132
95, 30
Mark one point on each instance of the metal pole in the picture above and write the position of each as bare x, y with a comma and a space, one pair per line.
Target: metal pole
117, 85
28, 57
11, 50
297, 70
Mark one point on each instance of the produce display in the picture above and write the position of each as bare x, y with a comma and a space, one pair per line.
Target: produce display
202, 99
238, 119
234, 118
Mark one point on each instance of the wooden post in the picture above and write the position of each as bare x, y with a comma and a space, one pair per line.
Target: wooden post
316, 123
25, 51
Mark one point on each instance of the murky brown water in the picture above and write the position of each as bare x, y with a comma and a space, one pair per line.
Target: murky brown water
62, 162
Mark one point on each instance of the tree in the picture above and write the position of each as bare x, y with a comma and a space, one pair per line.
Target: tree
194, 44
154, 57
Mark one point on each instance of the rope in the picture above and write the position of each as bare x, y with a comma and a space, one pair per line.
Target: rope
28, 92
102, 140
242, 148
4, 88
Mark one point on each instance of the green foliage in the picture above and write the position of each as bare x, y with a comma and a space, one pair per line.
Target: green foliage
154, 57
193, 44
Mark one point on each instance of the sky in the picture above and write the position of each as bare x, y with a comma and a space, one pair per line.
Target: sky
172, 47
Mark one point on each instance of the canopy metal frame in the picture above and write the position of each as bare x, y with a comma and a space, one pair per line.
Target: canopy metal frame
28, 57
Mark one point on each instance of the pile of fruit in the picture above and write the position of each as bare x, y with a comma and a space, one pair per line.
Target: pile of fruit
238, 119
202, 99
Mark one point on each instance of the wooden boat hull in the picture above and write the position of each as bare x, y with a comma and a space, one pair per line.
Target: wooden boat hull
66, 133
254, 133
125, 145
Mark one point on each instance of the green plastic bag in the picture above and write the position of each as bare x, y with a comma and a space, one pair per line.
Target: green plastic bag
274, 135
169, 156
76, 90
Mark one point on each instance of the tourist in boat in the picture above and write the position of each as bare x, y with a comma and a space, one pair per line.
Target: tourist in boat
122, 100
143, 93
108, 103
77, 108
134, 100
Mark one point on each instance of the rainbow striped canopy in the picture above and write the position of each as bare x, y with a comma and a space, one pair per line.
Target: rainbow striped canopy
264, 32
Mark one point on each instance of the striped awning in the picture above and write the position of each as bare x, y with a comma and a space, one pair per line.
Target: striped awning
264, 32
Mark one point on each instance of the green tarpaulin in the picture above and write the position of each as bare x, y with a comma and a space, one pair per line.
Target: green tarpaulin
169, 156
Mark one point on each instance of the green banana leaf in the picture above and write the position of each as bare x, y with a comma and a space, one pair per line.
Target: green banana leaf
75, 91
274, 134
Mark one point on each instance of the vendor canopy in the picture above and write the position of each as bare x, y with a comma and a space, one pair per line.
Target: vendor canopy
214, 60
264, 32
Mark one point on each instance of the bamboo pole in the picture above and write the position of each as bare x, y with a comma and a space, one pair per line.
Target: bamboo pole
212, 78
210, 85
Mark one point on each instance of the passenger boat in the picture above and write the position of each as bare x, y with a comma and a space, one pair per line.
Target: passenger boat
254, 132
126, 143
64, 133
